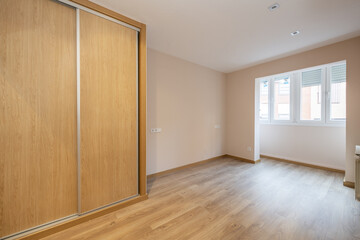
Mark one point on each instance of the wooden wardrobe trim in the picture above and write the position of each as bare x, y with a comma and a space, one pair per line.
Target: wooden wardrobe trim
87, 217
110, 13
142, 84
142, 111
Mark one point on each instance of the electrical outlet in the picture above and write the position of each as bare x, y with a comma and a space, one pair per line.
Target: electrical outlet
217, 126
249, 149
156, 130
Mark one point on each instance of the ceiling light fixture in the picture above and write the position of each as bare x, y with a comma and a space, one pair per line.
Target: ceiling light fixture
274, 6
295, 33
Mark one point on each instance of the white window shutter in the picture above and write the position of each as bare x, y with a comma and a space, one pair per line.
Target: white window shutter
338, 73
311, 78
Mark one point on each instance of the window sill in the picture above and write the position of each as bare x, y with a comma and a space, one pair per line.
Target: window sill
341, 125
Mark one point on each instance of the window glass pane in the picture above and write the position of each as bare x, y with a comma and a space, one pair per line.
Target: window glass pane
264, 100
311, 103
310, 95
338, 101
282, 98
338, 92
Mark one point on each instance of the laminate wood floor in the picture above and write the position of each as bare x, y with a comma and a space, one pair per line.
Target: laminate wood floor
229, 199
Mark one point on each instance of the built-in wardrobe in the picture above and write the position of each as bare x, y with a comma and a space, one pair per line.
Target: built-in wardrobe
72, 113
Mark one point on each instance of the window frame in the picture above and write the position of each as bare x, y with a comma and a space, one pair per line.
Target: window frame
262, 80
295, 98
322, 121
328, 96
272, 99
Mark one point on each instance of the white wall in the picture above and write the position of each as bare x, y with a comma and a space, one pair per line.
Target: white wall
322, 146
187, 101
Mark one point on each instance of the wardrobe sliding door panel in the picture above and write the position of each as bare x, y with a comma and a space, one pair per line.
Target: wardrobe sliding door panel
38, 165
108, 111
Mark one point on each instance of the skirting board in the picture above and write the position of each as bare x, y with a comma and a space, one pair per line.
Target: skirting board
304, 164
349, 184
243, 159
81, 219
183, 167
201, 162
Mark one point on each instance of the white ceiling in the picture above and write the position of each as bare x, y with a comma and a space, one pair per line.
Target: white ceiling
227, 35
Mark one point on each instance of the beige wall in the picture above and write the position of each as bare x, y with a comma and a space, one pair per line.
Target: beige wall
240, 100
187, 101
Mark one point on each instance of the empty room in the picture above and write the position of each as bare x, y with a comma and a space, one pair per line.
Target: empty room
134, 119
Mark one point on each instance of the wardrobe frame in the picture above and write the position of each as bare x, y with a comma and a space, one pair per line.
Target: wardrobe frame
67, 222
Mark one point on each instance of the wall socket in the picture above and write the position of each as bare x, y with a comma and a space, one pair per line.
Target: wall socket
156, 130
249, 149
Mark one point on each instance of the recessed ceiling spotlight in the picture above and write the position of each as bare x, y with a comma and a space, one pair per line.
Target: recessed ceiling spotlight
295, 33
274, 6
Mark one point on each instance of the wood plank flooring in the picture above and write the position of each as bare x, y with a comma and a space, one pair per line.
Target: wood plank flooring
229, 199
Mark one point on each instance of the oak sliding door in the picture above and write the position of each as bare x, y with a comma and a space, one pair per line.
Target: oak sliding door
108, 110
68, 112
38, 164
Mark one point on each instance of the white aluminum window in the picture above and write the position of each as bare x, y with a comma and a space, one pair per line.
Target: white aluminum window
312, 96
336, 101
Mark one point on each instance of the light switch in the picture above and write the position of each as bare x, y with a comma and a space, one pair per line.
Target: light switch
156, 130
